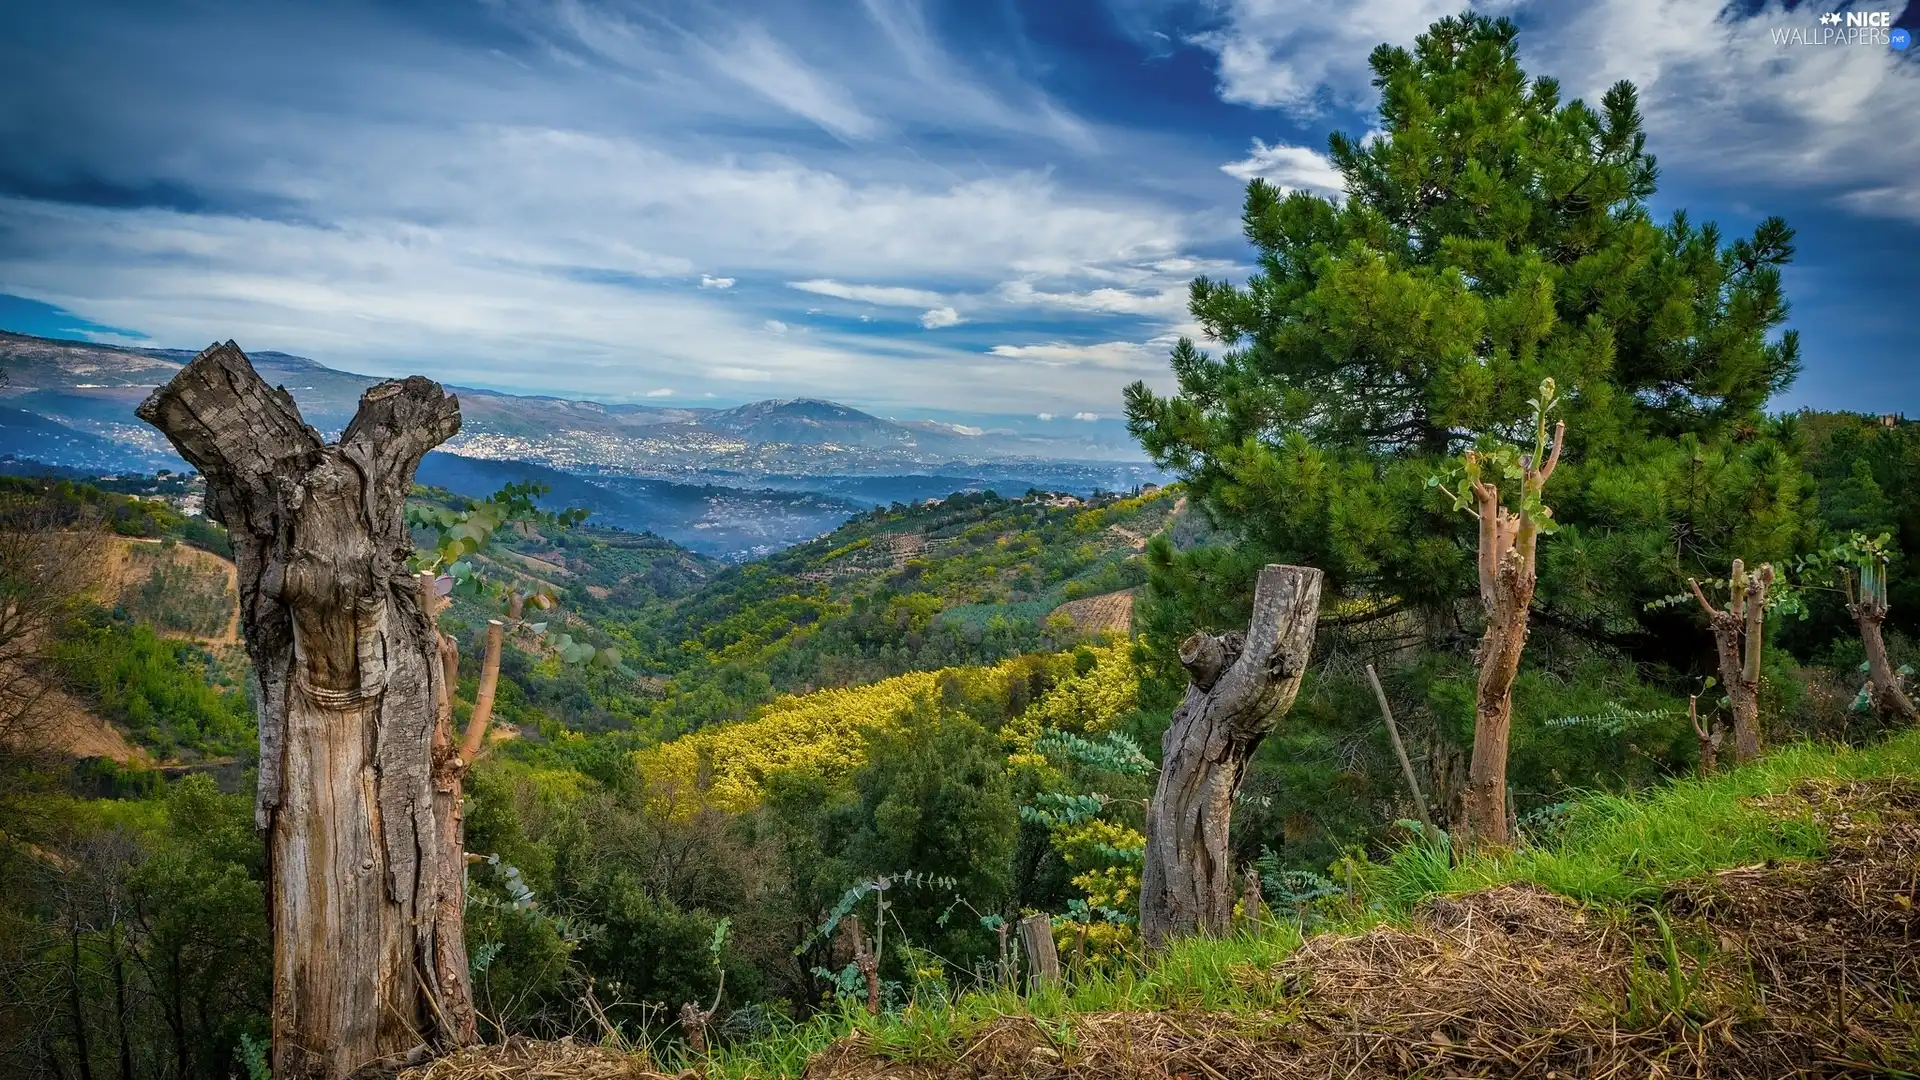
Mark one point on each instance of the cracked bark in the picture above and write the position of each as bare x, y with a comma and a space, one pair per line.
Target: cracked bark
1239, 689
364, 864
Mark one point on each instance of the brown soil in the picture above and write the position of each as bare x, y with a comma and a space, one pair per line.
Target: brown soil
81, 733
1107, 613
121, 570
525, 1059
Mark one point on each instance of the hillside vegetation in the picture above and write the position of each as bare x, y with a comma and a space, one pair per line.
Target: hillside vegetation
828, 812
1696, 931
975, 578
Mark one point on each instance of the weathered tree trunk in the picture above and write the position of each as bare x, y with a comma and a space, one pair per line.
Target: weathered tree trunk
1239, 688
1250, 900
369, 963
866, 963
1509, 543
1887, 695
1043, 958
1737, 637
1866, 585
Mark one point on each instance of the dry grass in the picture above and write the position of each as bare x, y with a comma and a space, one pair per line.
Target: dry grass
1794, 969
1799, 969
1108, 613
527, 1059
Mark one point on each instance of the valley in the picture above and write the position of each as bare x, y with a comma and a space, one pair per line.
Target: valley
954, 604
733, 483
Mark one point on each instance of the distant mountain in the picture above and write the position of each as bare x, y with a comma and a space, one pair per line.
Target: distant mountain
31, 438
93, 388
811, 422
725, 522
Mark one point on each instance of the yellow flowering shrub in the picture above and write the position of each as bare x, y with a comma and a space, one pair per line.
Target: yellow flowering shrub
827, 731
1089, 702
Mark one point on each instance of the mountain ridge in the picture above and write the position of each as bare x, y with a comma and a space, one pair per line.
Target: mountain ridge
93, 387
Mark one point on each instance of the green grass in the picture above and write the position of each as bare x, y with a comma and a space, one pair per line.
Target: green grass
1613, 851
1620, 849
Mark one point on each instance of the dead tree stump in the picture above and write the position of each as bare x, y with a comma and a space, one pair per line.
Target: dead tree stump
1043, 958
363, 883
1239, 688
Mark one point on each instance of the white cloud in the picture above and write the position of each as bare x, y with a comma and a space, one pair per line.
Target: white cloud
1723, 101
1166, 302
937, 318
707, 281
660, 392
741, 374
1045, 416
1289, 168
1119, 355
757, 60
883, 295
1302, 56
1086, 416
775, 326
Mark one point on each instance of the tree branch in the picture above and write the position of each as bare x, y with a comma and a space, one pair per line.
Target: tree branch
1553, 459
229, 424
1705, 604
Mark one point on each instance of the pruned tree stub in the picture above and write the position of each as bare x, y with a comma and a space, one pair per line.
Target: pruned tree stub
369, 963
1239, 687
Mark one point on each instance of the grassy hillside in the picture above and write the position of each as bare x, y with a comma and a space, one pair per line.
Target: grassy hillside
1757, 923
974, 579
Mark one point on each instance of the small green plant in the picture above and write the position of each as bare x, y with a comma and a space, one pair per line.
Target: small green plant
458, 535
253, 1055
1655, 997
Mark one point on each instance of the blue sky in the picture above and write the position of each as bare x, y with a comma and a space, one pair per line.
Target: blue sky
976, 209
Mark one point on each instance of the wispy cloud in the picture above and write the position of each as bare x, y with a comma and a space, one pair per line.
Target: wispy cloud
525, 192
1304, 57
755, 59
1165, 302
1289, 168
1118, 355
883, 295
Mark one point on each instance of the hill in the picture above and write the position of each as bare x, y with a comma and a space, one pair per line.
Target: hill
712, 519
975, 578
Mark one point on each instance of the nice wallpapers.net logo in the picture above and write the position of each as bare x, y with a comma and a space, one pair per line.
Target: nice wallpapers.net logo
1872, 28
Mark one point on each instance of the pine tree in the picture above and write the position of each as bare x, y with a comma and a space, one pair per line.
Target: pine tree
1491, 236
